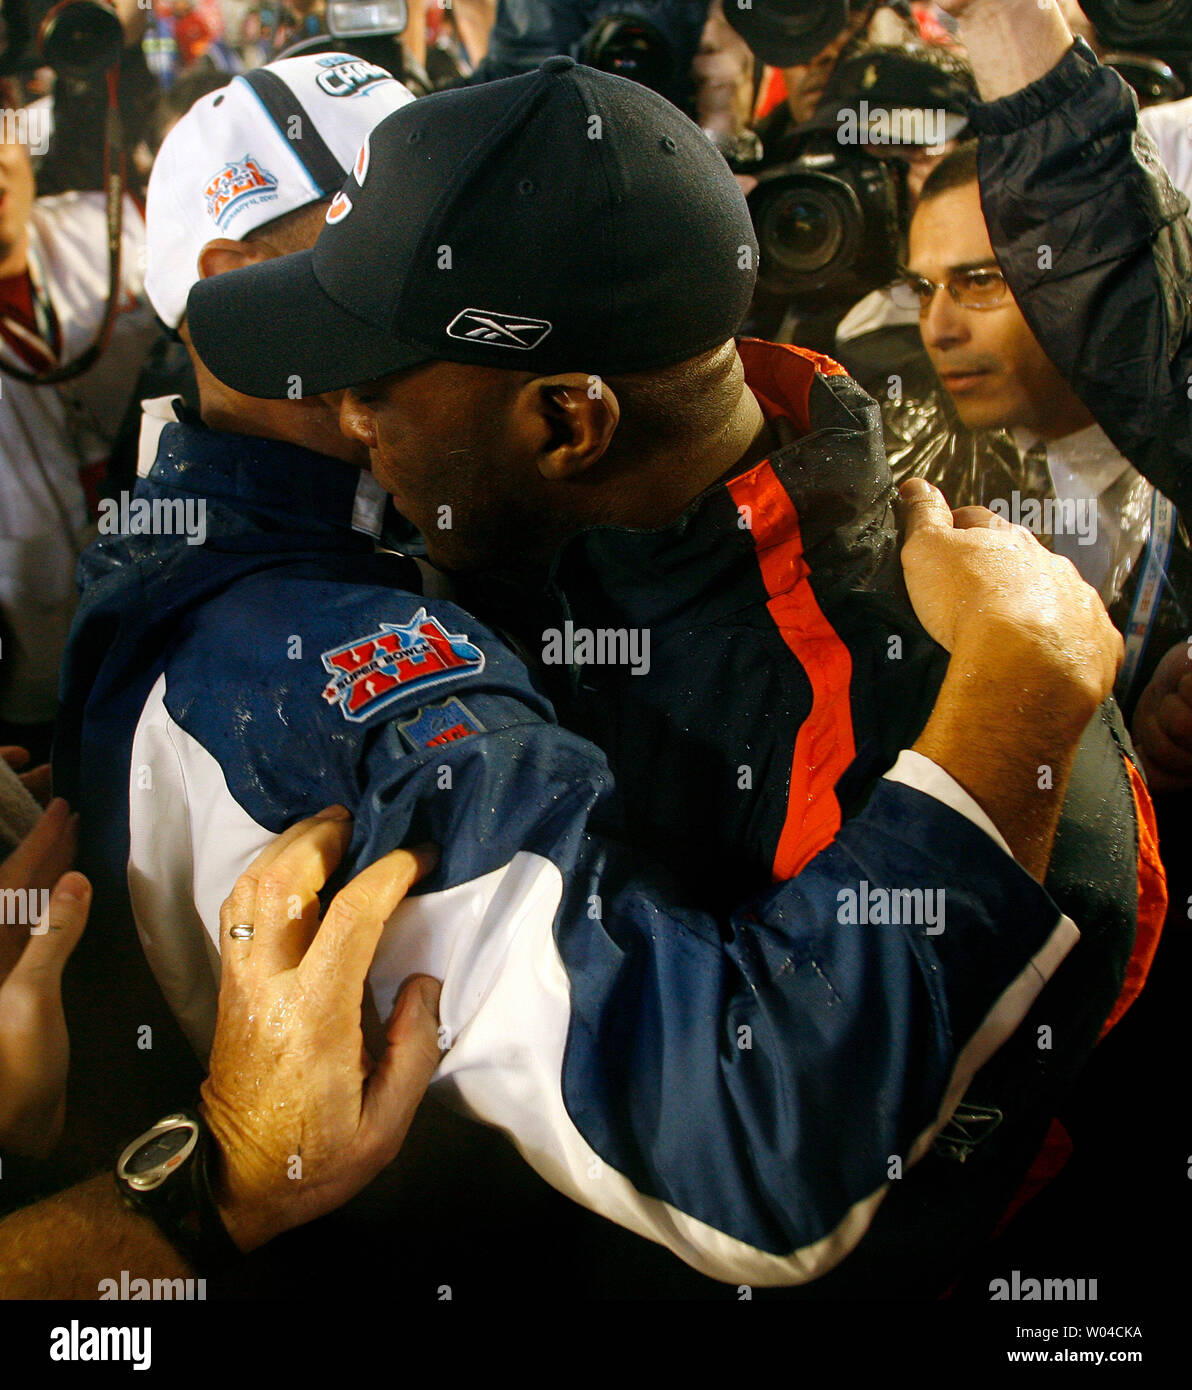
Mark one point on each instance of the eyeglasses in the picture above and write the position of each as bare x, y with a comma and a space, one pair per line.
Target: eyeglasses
983, 287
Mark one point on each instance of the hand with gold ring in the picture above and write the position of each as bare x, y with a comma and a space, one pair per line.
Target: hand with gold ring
302, 1116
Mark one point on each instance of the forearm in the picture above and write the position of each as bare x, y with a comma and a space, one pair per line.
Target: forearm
1012, 43
64, 1246
1010, 743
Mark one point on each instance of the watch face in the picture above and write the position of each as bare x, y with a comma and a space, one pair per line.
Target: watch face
149, 1160
159, 1150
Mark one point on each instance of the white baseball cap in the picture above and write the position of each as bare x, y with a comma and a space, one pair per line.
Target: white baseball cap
272, 141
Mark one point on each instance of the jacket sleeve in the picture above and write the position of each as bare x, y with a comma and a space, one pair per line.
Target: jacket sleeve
740, 1086
1097, 248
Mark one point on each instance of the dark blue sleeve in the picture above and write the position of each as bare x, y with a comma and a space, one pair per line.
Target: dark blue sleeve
1097, 248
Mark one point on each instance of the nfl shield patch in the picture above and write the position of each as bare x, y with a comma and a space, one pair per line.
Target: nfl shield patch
439, 724
372, 672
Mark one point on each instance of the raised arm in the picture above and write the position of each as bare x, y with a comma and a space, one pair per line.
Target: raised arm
1092, 237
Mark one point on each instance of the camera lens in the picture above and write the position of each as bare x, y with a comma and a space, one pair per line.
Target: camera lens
1143, 23
629, 47
82, 38
802, 229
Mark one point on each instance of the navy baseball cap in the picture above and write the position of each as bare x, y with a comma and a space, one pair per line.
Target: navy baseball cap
562, 220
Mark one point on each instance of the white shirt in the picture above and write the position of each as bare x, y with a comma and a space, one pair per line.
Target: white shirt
1170, 127
1083, 466
48, 433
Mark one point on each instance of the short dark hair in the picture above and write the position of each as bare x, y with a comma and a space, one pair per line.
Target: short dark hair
289, 231
955, 170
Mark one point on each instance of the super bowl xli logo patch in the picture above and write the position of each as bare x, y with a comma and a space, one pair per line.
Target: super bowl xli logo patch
343, 76
371, 672
498, 330
235, 186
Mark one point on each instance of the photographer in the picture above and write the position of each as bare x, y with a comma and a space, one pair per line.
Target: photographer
57, 427
685, 48
832, 224
809, 81
75, 159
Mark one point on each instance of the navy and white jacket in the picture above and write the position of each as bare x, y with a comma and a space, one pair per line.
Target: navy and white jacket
732, 1085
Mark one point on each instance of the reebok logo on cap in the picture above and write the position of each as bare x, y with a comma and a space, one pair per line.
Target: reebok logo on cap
501, 330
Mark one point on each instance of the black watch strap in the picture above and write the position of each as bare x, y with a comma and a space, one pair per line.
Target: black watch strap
180, 1200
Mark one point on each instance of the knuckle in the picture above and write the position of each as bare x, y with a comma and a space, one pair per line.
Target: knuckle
230, 911
357, 899
274, 882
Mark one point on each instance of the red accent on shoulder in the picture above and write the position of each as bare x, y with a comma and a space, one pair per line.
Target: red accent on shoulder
780, 376
1152, 900
18, 323
824, 744
16, 298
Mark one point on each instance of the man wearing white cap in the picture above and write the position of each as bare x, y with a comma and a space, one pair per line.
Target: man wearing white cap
242, 178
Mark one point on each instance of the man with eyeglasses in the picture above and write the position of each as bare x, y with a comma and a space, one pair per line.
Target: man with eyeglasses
1079, 494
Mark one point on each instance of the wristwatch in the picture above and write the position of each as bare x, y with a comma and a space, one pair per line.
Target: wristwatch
165, 1174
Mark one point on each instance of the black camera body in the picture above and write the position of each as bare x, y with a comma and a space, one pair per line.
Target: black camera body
75, 37
1162, 27
630, 46
830, 226
652, 42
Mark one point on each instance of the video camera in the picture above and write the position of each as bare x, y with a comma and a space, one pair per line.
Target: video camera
832, 218
655, 41
831, 226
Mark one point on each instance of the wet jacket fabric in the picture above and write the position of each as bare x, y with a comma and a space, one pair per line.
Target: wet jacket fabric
729, 1080
787, 669
214, 693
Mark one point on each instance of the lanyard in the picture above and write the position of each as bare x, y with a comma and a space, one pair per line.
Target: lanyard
1148, 592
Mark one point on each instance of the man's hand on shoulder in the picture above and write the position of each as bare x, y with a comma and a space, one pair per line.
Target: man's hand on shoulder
302, 1116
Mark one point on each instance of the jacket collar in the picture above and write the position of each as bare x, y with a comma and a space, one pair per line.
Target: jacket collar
285, 486
833, 473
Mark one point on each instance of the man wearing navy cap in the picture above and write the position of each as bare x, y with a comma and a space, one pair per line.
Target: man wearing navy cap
532, 288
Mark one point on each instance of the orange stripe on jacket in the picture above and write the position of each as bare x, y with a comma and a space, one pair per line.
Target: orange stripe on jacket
824, 745
1152, 900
